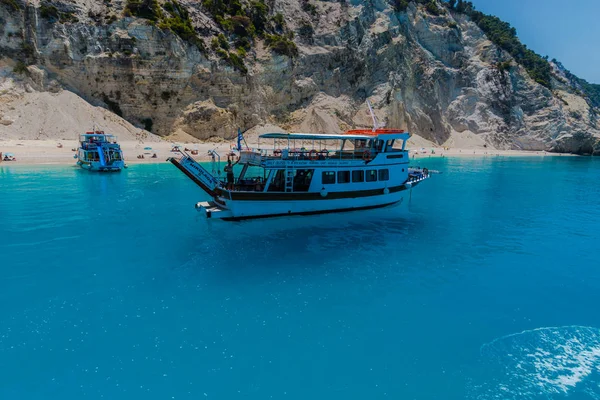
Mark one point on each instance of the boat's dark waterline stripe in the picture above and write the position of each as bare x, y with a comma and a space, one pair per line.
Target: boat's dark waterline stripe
279, 196
311, 212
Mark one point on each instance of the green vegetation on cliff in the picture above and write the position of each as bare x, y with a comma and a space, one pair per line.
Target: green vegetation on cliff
176, 20
248, 20
505, 36
430, 5
591, 90
148, 9
11, 3
282, 45
52, 14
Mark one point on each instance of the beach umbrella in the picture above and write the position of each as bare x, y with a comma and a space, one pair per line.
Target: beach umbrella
9, 154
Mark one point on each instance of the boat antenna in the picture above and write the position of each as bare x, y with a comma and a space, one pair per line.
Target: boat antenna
375, 123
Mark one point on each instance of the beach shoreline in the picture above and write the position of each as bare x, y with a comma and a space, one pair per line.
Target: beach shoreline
48, 152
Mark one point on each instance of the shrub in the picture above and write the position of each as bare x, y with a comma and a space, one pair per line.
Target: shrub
11, 3
400, 5
503, 66
281, 45
222, 53
20, 68
309, 7
243, 42
279, 22
306, 30
259, 15
27, 49
223, 42
237, 63
433, 8
242, 25
49, 12
148, 9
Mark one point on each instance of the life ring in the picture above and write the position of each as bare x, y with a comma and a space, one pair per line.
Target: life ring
277, 153
324, 153
366, 155
425, 172
313, 155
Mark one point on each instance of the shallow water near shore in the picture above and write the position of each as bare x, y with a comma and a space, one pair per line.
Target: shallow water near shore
485, 285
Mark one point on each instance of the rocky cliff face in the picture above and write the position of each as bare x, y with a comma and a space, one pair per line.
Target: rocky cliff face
436, 76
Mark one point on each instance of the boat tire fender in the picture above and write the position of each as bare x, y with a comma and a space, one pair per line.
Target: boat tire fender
324, 193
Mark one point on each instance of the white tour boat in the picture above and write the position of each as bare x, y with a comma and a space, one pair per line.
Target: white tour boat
308, 173
99, 152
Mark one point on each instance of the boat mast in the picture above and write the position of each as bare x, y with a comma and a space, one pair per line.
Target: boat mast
375, 123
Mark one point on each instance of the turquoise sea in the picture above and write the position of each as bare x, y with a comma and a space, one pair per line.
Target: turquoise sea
486, 285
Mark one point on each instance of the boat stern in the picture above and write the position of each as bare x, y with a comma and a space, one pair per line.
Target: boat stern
213, 210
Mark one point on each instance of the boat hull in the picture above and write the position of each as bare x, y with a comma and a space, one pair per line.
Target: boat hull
248, 209
116, 166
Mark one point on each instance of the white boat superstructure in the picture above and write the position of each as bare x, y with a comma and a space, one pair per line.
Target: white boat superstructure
307, 173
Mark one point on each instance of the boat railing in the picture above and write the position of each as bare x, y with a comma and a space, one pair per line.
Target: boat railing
318, 155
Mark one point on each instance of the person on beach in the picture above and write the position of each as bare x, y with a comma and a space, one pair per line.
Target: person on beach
230, 177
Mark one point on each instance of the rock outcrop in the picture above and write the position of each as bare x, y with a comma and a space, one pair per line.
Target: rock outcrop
436, 76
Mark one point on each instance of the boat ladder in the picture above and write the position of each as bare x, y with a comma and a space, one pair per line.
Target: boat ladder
289, 180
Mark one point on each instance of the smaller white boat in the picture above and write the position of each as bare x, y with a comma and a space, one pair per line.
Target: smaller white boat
99, 152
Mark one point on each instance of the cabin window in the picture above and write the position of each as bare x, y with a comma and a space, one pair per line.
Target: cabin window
389, 145
372, 175
277, 183
360, 144
384, 174
302, 179
343, 176
328, 177
358, 176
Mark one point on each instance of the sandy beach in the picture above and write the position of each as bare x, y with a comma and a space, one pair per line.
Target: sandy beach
48, 152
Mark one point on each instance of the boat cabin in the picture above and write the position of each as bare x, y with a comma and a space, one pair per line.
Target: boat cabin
93, 142
307, 162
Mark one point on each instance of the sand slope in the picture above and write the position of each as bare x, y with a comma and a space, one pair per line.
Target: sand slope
32, 115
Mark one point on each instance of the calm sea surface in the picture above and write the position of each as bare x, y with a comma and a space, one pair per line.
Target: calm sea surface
485, 286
